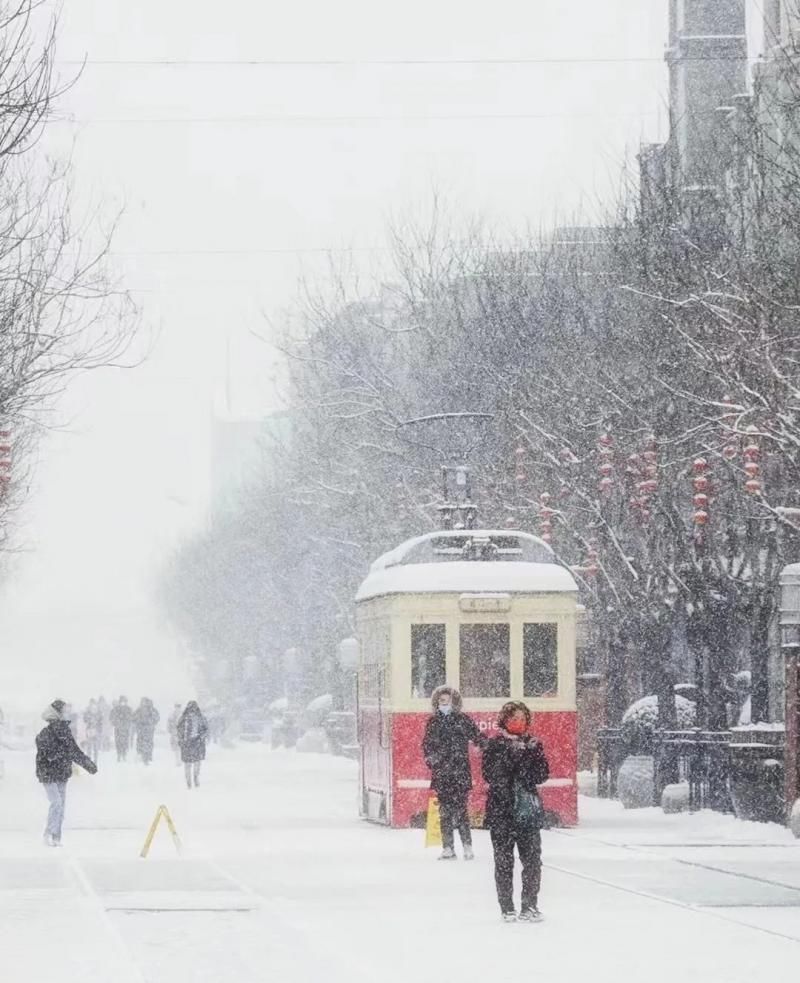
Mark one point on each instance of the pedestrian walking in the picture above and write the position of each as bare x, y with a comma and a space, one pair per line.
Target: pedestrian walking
514, 763
192, 735
93, 724
105, 724
445, 746
144, 720
121, 718
172, 728
56, 750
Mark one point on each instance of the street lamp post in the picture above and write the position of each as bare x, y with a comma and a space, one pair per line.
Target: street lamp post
790, 646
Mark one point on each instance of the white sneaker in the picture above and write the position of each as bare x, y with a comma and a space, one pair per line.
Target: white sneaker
509, 916
48, 840
468, 854
448, 854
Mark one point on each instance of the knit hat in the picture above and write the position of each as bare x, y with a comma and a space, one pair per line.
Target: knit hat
55, 711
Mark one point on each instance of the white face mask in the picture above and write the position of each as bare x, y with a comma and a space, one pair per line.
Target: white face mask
445, 708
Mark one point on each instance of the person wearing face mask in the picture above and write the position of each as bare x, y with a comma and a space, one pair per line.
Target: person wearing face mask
514, 763
445, 746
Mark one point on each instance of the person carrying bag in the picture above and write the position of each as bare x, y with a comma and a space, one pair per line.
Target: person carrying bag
514, 764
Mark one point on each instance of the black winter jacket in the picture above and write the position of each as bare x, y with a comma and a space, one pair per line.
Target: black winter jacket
56, 750
504, 762
446, 750
121, 718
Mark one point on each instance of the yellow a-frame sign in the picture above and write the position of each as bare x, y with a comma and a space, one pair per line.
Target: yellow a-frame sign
162, 813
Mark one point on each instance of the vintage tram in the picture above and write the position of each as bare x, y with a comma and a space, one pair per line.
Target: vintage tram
489, 612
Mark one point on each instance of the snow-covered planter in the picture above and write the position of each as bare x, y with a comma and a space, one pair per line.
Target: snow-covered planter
315, 740
675, 798
636, 782
794, 819
640, 720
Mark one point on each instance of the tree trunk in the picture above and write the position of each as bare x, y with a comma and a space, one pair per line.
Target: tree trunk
616, 688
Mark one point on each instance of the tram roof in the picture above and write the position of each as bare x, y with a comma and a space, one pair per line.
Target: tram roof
437, 563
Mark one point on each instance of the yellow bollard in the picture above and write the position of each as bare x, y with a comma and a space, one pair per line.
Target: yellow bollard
433, 828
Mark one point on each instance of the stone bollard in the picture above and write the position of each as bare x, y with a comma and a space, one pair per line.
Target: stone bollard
675, 798
635, 782
794, 819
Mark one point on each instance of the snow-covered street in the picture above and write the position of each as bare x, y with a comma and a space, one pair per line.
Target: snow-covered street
278, 879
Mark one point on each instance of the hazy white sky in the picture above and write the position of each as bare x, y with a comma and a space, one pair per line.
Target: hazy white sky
233, 177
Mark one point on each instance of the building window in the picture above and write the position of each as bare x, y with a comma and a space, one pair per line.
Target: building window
485, 655
428, 669
540, 659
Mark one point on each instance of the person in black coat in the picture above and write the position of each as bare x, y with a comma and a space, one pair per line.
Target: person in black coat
192, 735
144, 720
514, 763
445, 746
56, 750
121, 719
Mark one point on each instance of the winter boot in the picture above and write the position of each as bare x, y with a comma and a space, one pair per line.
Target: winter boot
468, 853
530, 915
448, 854
509, 916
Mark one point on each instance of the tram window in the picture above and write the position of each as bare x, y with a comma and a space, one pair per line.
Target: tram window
428, 668
485, 660
540, 658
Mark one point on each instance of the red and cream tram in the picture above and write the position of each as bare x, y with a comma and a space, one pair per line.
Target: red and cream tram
491, 613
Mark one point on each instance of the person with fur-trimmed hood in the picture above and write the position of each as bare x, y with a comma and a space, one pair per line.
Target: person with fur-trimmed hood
56, 750
445, 746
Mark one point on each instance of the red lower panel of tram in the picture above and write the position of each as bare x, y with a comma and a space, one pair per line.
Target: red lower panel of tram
557, 730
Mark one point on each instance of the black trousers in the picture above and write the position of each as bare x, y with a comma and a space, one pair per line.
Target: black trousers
453, 815
529, 846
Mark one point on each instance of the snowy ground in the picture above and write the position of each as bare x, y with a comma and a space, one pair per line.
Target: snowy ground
279, 880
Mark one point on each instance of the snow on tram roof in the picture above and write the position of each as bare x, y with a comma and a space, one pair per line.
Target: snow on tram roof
438, 563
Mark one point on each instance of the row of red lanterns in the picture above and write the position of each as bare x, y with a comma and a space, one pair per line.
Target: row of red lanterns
700, 487
5, 458
643, 470
545, 517
605, 466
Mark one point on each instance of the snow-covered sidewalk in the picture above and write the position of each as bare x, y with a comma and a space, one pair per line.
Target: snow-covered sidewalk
279, 880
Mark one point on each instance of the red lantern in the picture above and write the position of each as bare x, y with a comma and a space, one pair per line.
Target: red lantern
700, 501
729, 452
700, 517
545, 497
700, 483
606, 468
753, 486
605, 485
649, 487
699, 465
606, 440
752, 468
651, 457
752, 452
